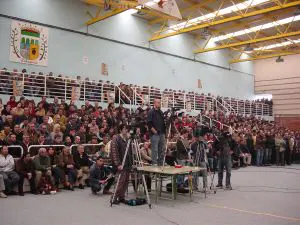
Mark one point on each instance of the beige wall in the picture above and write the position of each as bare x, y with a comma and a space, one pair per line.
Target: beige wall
282, 80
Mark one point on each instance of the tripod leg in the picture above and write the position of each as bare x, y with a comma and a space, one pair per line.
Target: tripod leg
146, 190
190, 179
119, 176
166, 147
114, 194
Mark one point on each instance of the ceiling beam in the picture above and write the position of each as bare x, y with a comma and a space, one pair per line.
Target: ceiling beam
118, 7
257, 40
194, 6
264, 57
105, 16
225, 20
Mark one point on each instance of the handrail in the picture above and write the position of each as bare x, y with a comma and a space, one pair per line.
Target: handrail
137, 94
210, 123
75, 145
15, 146
44, 146
175, 98
223, 104
120, 91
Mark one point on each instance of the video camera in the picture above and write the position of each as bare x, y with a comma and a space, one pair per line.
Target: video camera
170, 114
134, 123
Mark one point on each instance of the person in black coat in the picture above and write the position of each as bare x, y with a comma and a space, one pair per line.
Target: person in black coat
82, 164
25, 168
101, 175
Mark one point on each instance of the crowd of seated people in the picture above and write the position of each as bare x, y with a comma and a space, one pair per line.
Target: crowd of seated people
101, 91
26, 122
65, 127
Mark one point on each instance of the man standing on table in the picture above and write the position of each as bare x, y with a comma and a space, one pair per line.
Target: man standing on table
157, 128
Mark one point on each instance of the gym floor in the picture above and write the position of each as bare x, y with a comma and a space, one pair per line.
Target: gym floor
260, 195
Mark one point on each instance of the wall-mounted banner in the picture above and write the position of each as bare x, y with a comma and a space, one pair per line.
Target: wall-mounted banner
28, 43
75, 93
199, 83
104, 69
18, 87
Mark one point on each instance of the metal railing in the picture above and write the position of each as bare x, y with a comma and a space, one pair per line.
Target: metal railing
37, 85
215, 123
199, 102
16, 146
42, 146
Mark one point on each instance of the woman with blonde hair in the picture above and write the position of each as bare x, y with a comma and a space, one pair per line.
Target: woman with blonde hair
56, 131
18, 110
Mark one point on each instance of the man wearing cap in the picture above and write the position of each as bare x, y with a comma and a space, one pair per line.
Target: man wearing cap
101, 176
199, 149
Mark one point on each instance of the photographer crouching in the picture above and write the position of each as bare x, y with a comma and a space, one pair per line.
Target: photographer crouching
157, 128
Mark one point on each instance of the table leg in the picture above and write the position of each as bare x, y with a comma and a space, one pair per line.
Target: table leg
156, 189
174, 187
190, 179
136, 182
160, 186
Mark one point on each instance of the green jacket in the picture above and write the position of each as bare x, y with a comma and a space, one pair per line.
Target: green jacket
42, 163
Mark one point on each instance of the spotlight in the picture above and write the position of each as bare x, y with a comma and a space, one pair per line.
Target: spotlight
248, 48
297, 12
279, 59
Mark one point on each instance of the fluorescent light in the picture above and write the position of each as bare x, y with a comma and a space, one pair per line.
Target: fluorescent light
257, 28
130, 12
278, 45
228, 10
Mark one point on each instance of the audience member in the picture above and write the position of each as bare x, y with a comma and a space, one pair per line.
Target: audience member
67, 164
25, 169
100, 176
25, 123
82, 164
7, 166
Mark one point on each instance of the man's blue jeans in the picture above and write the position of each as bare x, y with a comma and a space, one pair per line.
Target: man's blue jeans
158, 149
259, 156
224, 162
268, 155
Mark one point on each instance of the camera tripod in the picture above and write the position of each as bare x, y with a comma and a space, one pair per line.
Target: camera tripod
132, 145
168, 135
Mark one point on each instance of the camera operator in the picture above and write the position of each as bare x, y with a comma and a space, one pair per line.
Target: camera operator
118, 149
224, 152
146, 157
182, 148
182, 156
157, 128
199, 149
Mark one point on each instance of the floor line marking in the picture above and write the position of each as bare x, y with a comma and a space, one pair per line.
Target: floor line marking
252, 212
